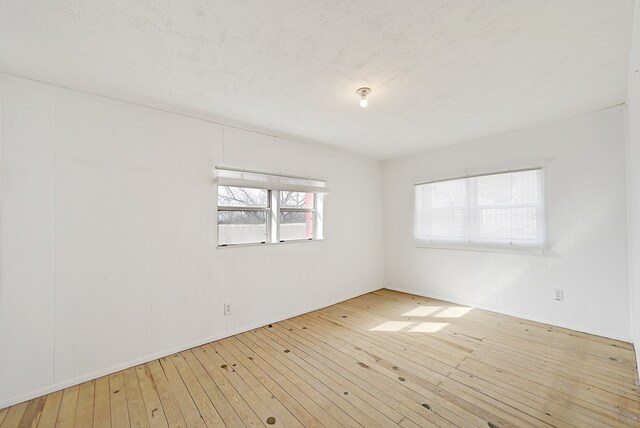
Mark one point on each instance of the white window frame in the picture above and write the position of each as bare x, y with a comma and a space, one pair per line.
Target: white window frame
274, 184
233, 208
280, 209
473, 240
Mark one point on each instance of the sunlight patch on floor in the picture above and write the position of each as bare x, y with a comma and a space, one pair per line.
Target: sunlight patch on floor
429, 327
453, 312
413, 327
392, 326
422, 311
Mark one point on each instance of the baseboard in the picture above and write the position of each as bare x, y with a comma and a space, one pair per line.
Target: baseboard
123, 366
511, 313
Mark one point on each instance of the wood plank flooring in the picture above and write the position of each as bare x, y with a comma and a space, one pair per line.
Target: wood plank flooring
385, 359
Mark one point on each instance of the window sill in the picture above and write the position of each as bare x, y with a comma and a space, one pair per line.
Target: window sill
491, 248
268, 244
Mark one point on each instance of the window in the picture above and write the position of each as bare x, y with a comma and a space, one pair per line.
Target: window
259, 208
492, 209
296, 215
242, 215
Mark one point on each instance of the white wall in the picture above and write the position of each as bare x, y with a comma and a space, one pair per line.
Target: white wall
586, 220
108, 235
633, 168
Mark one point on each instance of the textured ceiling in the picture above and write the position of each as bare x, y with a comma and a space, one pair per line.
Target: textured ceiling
441, 72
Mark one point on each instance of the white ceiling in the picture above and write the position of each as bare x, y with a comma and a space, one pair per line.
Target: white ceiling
441, 72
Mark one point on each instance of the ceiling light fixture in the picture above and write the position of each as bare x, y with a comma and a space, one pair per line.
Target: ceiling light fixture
363, 92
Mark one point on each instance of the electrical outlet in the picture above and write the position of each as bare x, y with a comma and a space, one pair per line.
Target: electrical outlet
227, 308
559, 294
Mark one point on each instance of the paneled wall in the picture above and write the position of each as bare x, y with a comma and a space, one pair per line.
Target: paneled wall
584, 160
108, 236
633, 169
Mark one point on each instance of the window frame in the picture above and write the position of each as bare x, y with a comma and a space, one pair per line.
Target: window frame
240, 208
313, 211
273, 224
474, 239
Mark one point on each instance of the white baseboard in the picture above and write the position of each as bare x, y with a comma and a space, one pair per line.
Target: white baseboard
511, 313
118, 367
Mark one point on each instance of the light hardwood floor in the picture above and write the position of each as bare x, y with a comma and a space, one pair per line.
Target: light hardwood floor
382, 359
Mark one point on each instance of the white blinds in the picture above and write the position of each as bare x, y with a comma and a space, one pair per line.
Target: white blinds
502, 208
261, 180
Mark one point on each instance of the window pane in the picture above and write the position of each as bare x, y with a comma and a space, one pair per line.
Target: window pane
296, 225
242, 227
510, 188
441, 211
448, 194
296, 199
448, 223
229, 196
508, 224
